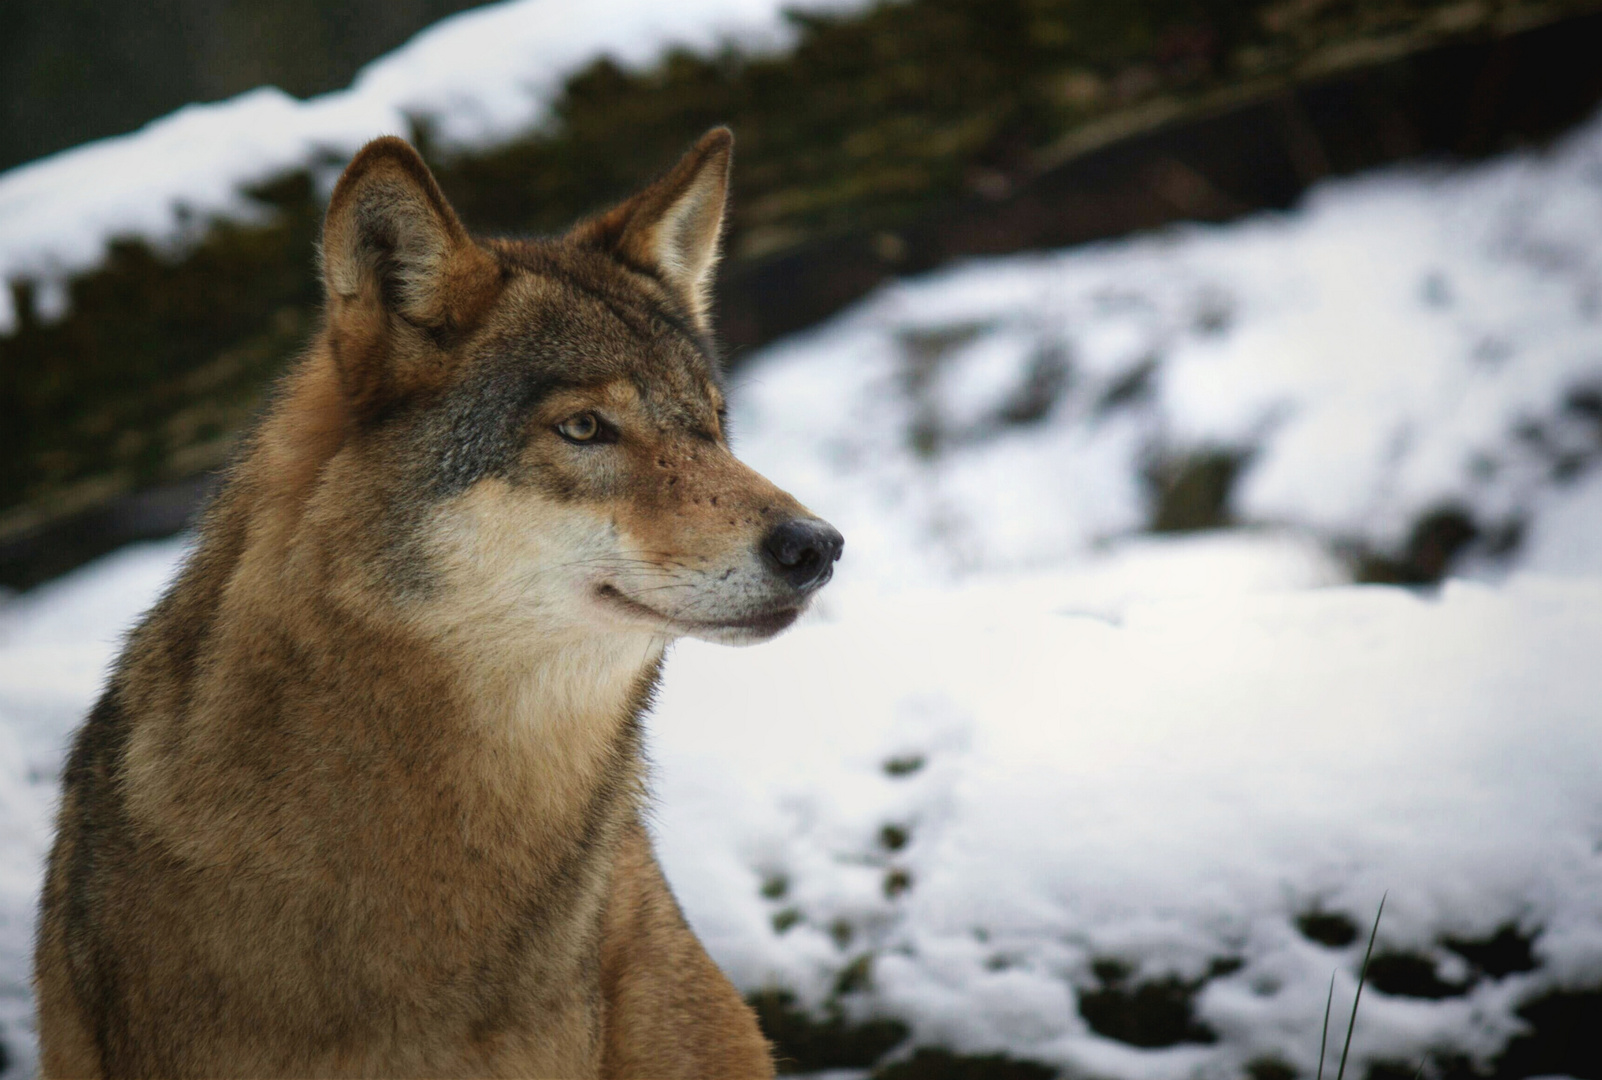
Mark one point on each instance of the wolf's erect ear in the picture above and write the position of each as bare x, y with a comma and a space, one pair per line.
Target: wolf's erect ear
401, 274
391, 241
672, 229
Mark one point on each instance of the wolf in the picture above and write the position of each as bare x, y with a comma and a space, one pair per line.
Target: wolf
363, 795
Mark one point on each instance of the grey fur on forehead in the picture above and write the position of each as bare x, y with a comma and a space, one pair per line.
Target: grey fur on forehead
634, 297
588, 336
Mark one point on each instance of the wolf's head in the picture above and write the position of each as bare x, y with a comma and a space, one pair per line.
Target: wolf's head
535, 429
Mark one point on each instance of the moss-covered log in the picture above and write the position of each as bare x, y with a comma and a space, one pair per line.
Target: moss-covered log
883, 142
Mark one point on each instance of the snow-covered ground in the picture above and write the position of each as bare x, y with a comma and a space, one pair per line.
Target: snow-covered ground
480, 77
1168, 784
1021, 746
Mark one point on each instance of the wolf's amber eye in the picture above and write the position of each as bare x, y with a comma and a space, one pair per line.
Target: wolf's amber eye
581, 428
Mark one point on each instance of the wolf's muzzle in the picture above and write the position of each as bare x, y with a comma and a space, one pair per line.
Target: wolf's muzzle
803, 552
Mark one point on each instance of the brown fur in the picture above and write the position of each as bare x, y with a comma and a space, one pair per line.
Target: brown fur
363, 795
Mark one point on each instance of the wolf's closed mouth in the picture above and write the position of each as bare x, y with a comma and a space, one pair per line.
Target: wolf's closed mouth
769, 622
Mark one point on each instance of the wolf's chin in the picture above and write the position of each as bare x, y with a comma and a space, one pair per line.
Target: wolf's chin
747, 630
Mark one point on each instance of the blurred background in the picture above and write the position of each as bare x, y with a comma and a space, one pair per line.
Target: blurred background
875, 142
73, 72
1084, 310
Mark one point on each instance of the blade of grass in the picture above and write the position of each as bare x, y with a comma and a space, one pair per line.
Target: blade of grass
1362, 977
1323, 1038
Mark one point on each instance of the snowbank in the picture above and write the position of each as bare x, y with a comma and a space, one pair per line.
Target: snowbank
480, 76
1405, 341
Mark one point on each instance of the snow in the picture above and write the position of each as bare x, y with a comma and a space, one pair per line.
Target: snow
1170, 788
1564, 535
1406, 341
480, 77
1113, 746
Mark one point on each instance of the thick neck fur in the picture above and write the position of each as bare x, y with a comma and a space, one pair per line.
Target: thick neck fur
318, 724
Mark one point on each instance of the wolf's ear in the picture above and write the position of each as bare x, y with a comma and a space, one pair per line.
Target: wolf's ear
398, 268
672, 229
391, 239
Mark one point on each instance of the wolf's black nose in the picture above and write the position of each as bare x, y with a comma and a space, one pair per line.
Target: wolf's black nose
803, 551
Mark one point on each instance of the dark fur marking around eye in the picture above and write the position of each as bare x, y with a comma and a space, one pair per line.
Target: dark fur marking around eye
483, 421
480, 429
